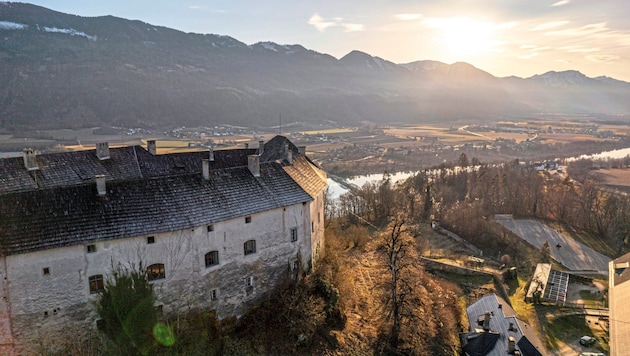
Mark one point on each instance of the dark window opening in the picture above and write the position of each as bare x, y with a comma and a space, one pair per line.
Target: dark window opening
46, 271
151, 239
91, 248
156, 271
248, 219
249, 247
294, 235
96, 283
212, 258
210, 228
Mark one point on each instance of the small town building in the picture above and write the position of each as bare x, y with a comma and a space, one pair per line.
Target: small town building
619, 305
495, 330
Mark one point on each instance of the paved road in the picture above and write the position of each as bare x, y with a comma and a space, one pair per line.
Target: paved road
571, 254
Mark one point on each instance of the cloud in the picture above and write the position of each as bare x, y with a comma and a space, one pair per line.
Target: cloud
408, 17
528, 56
322, 24
578, 49
549, 25
561, 2
581, 31
600, 58
353, 27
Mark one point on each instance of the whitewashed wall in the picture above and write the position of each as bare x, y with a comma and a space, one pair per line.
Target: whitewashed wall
40, 304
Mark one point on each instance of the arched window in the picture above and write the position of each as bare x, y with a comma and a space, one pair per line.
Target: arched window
96, 283
249, 247
155, 271
212, 258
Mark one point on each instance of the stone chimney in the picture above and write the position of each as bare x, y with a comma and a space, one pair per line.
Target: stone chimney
302, 150
102, 150
253, 163
511, 345
261, 146
152, 147
486, 321
211, 155
30, 159
289, 153
205, 168
100, 184
290, 156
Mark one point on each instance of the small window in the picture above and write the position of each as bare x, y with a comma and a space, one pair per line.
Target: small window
312, 226
249, 282
319, 217
296, 265
210, 228
249, 247
212, 258
151, 239
248, 219
96, 283
46, 271
91, 248
213, 295
294, 234
156, 271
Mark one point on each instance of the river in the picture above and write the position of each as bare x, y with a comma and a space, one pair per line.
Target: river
336, 189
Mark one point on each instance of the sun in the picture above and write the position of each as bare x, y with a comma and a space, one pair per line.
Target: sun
462, 38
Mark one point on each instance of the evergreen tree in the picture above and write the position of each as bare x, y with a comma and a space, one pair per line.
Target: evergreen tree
127, 311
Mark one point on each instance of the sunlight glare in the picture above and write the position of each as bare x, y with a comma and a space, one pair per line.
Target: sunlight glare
463, 38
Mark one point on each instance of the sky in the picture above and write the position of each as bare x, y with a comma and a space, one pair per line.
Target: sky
502, 37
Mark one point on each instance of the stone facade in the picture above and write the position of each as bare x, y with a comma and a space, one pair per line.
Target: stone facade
45, 289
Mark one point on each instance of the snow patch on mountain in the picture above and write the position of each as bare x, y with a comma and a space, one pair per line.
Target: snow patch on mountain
69, 31
6, 25
561, 79
269, 45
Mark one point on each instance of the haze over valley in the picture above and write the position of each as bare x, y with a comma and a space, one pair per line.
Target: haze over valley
65, 71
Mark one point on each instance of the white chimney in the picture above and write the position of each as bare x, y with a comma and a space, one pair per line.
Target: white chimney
30, 159
511, 345
253, 163
261, 146
205, 168
289, 153
152, 147
302, 150
100, 184
102, 150
211, 154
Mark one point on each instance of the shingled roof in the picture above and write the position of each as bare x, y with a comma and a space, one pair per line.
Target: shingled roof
145, 194
475, 343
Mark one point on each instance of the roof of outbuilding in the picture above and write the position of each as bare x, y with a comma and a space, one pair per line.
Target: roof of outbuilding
146, 194
502, 315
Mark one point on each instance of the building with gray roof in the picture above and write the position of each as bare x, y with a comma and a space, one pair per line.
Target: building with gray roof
495, 330
215, 230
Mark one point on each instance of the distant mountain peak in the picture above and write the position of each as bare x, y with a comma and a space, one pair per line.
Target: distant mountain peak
362, 60
561, 79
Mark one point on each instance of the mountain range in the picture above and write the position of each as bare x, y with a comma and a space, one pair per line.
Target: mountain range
64, 71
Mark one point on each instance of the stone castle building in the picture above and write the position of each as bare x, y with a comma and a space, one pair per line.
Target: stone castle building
215, 230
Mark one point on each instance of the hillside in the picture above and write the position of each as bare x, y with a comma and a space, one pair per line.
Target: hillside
61, 70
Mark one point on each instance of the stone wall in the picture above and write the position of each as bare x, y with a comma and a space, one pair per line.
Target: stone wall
48, 290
